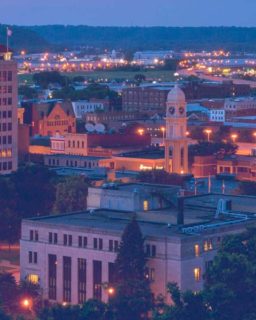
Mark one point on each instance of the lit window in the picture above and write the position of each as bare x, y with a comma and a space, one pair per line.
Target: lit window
197, 250
33, 278
208, 245
145, 205
197, 274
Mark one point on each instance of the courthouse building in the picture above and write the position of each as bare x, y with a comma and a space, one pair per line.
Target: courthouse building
71, 256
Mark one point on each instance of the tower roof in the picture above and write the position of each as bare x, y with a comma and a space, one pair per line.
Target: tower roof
176, 94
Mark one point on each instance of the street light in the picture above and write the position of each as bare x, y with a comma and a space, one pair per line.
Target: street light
254, 134
111, 291
234, 136
208, 132
163, 131
140, 131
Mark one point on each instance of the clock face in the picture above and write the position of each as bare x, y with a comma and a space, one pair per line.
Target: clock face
181, 110
171, 110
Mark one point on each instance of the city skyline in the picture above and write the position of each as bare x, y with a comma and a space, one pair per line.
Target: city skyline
123, 13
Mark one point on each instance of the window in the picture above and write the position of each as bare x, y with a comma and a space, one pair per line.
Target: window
81, 281
95, 243
70, 240
116, 245
50, 237
97, 279
100, 244
145, 205
147, 250
30, 259
111, 273
31, 235
150, 274
67, 279
55, 238
80, 241
52, 276
153, 253
197, 274
110, 245
33, 278
208, 245
197, 250
65, 240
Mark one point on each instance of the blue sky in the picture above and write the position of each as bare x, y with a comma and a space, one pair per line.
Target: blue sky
130, 12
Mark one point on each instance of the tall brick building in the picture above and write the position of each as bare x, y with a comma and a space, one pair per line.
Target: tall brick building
8, 112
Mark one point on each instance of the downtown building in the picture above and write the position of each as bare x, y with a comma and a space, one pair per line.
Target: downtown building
8, 113
71, 256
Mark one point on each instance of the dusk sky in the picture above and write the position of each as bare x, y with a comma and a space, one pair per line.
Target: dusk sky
129, 12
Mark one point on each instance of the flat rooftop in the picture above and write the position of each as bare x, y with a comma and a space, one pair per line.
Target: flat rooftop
199, 211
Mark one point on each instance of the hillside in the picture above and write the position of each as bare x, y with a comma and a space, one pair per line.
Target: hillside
54, 37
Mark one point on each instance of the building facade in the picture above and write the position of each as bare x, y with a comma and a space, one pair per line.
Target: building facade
8, 113
71, 256
82, 107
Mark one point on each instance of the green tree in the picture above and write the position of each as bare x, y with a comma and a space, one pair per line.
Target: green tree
231, 280
8, 291
93, 310
59, 312
4, 316
44, 78
71, 195
27, 92
133, 296
34, 190
186, 306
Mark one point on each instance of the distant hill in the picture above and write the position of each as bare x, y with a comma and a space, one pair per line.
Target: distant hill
55, 37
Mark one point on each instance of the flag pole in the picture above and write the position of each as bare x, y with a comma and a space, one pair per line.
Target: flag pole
7, 39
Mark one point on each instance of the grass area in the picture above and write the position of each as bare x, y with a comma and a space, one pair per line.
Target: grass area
110, 75
13, 255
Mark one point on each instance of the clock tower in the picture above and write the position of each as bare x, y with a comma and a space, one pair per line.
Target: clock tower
176, 128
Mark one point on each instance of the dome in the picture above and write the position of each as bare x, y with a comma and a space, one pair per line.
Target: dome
176, 94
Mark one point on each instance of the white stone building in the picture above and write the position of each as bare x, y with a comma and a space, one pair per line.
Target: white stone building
242, 103
82, 107
217, 115
71, 256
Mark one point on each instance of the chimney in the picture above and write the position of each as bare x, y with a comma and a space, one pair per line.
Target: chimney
180, 214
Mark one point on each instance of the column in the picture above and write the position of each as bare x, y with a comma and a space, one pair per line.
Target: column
185, 155
104, 280
89, 280
74, 280
167, 156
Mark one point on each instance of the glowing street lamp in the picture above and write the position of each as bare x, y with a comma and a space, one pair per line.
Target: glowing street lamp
234, 136
111, 291
208, 132
163, 131
27, 304
254, 134
140, 131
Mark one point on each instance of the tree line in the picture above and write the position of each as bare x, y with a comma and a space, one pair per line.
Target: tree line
33, 191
